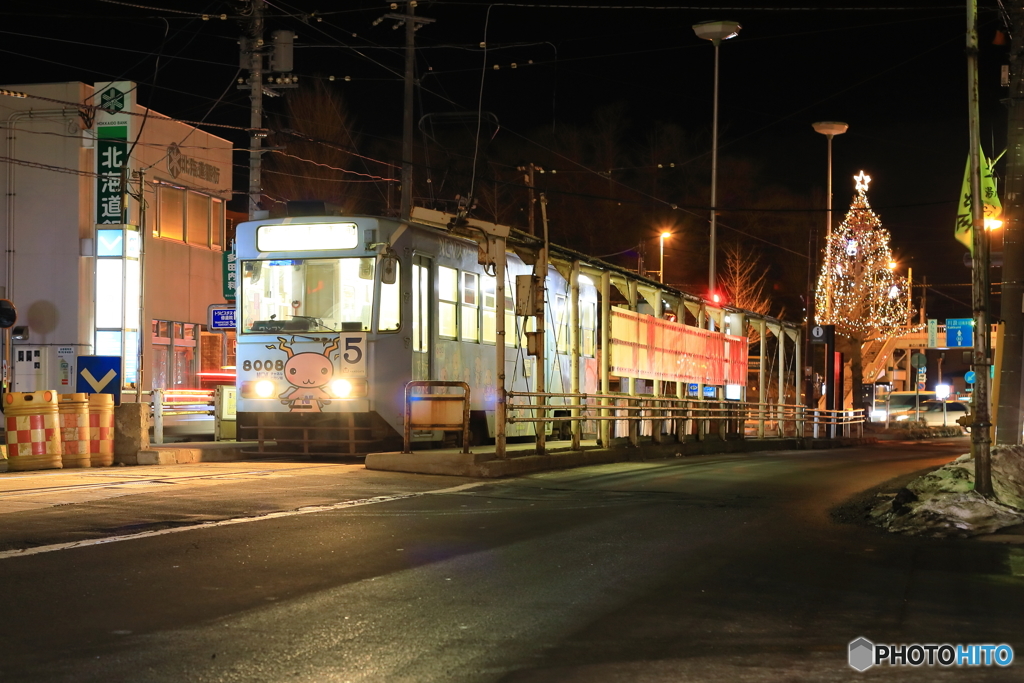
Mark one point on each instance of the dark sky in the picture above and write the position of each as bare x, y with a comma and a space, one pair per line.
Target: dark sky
897, 76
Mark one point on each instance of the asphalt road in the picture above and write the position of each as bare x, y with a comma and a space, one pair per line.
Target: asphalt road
714, 568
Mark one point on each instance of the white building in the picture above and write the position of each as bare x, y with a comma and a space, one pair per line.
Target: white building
86, 280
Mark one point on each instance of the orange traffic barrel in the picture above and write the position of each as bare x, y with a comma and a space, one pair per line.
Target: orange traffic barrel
73, 412
33, 431
101, 430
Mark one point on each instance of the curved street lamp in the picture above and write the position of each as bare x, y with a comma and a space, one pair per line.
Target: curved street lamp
716, 32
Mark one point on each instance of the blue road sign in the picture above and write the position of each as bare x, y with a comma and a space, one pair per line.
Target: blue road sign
959, 332
970, 377
710, 392
222, 319
691, 390
100, 375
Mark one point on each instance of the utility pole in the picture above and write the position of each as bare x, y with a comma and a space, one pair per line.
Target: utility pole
412, 24
980, 438
1008, 417
253, 49
252, 52
529, 169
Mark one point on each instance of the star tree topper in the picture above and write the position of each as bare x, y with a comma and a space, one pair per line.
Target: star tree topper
862, 182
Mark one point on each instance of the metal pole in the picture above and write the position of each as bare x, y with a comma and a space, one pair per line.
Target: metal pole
714, 180
574, 357
540, 281
606, 311
980, 438
499, 351
410, 61
828, 238
661, 264
254, 44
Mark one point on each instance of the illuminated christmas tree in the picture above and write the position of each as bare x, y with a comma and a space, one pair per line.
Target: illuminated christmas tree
858, 290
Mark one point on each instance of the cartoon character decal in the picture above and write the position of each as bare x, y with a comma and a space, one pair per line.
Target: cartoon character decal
308, 373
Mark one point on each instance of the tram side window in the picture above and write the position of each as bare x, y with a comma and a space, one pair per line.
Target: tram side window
420, 301
561, 314
588, 328
447, 302
510, 317
470, 307
391, 303
488, 297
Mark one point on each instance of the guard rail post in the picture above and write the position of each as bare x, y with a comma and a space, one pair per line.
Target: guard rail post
157, 396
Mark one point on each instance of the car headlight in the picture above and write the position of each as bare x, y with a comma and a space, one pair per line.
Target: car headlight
900, 418
877, 414
341, 388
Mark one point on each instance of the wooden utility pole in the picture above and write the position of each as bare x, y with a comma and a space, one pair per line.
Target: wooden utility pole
1008, 410
981, 440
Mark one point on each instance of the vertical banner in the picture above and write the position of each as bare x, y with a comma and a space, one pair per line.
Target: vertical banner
112, 128
118, 279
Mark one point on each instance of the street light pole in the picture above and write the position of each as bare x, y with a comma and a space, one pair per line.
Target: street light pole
716, 32
829, 129
661, 265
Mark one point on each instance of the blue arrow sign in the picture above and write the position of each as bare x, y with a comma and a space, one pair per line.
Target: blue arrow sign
99, 375
959, 332
970, 377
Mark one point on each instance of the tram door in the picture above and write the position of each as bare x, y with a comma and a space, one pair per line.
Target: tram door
421, 340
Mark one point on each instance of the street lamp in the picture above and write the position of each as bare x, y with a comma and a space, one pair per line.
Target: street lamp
716, 32
829, 129
661, 265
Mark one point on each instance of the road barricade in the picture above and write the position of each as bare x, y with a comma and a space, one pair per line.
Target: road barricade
101, 430
33, 431
73, 412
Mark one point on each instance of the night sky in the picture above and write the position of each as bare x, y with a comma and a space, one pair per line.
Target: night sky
897, 76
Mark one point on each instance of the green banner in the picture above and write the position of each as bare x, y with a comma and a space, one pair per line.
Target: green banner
964, 219
230, 275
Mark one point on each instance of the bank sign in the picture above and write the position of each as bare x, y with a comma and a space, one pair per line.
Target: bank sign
113, 123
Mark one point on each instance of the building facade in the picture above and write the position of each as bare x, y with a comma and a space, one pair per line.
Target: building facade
113, 221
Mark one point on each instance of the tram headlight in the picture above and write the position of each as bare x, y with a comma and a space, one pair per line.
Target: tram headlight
264, 388
341, 388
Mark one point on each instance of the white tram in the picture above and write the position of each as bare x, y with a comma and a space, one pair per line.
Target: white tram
336, 314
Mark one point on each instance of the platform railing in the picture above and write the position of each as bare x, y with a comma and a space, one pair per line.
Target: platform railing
637, 416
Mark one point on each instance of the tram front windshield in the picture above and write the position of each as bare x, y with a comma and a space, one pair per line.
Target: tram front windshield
306, 295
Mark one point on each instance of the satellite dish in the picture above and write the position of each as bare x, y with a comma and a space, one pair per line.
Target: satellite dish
8, 314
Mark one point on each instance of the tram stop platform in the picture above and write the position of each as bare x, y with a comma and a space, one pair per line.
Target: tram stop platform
481, 462
522, 458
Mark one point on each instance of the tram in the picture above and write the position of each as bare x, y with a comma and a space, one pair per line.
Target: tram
336, 314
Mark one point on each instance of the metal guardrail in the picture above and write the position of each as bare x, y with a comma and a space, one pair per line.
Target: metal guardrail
172, 403
436, 419
660, 416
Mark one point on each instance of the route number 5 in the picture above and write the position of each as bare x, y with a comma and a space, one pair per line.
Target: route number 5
352, 346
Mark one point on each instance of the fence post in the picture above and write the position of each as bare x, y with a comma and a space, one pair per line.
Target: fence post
634, 422
157, 396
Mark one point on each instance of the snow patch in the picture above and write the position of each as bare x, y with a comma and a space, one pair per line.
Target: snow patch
944, 502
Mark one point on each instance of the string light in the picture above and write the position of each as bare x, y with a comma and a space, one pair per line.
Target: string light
869, 299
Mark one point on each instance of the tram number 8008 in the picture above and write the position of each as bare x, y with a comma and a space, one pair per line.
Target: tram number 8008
263, 365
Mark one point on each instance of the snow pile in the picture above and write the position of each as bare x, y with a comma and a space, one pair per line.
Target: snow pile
944, 503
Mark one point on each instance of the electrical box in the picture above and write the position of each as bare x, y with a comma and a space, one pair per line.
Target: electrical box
529, 296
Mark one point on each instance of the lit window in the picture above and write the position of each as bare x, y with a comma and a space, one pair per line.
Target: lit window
447, 302
391, 303
489, 298
470, 307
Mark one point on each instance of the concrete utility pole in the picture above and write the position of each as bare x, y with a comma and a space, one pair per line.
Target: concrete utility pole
980, 438
1008, 417
412, 24
252, 52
